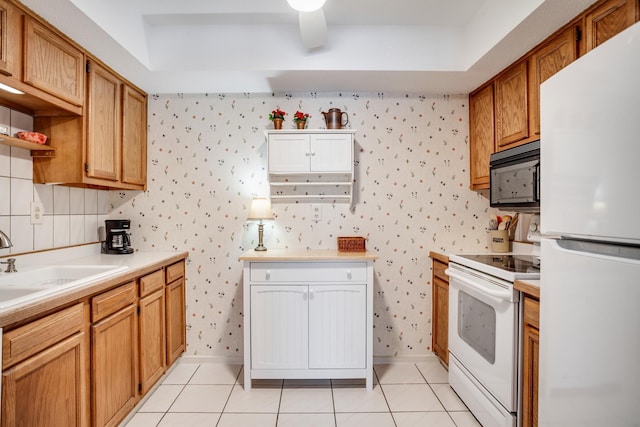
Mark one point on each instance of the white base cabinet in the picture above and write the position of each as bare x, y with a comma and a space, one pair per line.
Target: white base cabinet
308, 319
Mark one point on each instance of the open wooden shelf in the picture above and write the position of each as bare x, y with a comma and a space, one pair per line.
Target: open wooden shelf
37, 150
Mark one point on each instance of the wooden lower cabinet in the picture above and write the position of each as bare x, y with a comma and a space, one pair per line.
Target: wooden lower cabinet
90, 363
49, 386
152, 339
530, 362
175, 311
176, 321
114, 355
440, 310
49, 383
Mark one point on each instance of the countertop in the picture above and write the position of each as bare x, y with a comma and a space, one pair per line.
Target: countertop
138, 264
530, 287
306, 255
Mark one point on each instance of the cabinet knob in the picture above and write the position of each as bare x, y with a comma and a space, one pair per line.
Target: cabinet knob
349, 274
267, 274
313, 153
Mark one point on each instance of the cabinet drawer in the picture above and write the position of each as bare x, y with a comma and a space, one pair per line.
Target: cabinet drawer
532, 312
278, 272
27, 340
438, 270
151, 282
109, 302
175, 271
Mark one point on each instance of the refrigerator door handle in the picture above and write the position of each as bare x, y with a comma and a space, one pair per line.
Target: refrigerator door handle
621, 253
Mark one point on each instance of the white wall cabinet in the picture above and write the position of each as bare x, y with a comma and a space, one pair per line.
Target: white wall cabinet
311, 165
308, 318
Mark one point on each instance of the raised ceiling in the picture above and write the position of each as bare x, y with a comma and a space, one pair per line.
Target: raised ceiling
419, 46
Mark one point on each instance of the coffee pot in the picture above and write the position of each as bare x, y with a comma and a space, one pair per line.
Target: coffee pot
117, 237
333, 118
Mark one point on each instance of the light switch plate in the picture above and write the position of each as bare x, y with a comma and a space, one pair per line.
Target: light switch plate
37, 212
316, 212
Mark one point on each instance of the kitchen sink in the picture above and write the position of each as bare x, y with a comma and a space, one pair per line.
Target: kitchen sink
23, 286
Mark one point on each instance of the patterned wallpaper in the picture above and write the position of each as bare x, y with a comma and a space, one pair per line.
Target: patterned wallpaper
207, 160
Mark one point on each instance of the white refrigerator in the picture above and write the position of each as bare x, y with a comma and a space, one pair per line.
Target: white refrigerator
590, 251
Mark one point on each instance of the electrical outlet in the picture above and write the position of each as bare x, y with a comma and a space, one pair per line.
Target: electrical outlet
37, 212
316, 212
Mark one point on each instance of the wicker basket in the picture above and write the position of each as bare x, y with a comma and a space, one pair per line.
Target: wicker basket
351, 244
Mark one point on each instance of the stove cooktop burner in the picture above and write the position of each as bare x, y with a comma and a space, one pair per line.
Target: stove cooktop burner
511, 263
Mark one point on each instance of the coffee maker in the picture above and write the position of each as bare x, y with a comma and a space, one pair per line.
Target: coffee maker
117, 237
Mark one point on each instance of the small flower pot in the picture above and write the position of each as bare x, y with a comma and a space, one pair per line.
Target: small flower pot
277, 123
301, 125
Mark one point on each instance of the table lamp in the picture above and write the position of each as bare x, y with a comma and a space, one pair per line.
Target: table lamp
260, 209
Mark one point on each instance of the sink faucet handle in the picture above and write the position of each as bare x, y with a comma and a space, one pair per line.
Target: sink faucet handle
11, 265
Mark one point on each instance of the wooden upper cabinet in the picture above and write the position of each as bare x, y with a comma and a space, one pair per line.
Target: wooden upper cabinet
512, 106
134, 136
103, 123
609, 19
52, 64
4, 33
481, 134
550, 58
10, 41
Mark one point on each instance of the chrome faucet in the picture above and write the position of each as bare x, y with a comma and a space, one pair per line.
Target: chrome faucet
5, 242
11, 265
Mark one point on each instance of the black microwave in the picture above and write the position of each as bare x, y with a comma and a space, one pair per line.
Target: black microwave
515, 178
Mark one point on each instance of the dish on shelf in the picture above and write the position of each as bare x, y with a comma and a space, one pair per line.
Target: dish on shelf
36, 137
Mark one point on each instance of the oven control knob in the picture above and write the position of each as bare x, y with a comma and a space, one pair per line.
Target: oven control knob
533, 227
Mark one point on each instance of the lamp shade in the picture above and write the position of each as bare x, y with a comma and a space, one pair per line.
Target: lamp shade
260, 209
306, 5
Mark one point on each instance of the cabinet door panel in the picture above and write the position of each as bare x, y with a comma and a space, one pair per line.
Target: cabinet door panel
52, 64
279, 322
103, 124
440, 319
608, 20
531, 351
337, 326
114, 360
331, 153
512, 109
49, 386
289, 153
551, 58
134, 136
4, 54
482, 136
152, 339
176, 327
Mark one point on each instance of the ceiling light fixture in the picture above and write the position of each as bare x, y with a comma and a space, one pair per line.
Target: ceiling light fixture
306, 5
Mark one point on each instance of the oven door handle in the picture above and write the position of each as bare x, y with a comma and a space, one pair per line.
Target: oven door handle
499, 294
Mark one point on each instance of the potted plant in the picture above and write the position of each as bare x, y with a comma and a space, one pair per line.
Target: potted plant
301, 119
277, 117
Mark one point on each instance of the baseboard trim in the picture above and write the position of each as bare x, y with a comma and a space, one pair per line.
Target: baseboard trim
239, 360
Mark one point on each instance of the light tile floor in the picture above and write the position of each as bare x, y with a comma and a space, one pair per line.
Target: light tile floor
212, 395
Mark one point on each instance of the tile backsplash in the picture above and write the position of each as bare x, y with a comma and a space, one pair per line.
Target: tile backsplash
71, 215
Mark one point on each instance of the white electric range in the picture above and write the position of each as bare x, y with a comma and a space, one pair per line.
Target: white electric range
484, 332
